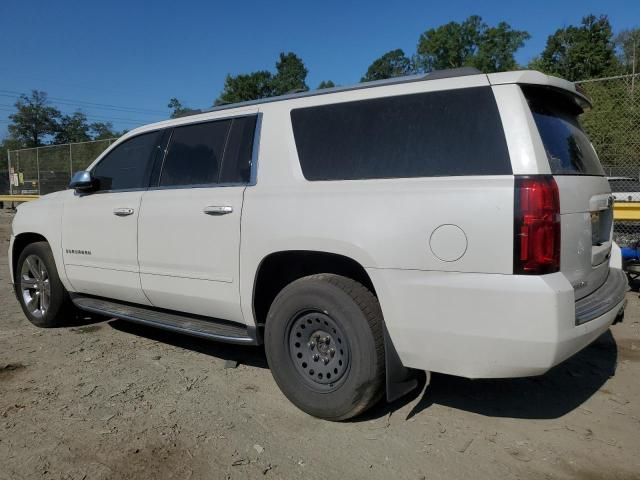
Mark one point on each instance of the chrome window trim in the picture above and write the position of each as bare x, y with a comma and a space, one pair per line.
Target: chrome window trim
254, 158
253, 174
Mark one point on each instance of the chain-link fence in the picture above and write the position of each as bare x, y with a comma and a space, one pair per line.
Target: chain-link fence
614, 128
48, 169
613, 125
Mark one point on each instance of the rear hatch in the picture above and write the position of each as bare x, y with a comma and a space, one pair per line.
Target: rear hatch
586, 204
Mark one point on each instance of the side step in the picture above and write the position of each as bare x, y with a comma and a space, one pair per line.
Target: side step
196, 325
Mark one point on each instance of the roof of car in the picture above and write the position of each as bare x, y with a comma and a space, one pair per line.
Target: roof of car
435, 75
520, 76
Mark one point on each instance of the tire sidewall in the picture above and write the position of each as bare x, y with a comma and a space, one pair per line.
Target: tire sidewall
361, 381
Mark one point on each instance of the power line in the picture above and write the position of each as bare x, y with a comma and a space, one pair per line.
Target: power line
135, 121
107, 106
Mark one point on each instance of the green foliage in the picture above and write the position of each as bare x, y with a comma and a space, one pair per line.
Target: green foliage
72, 128
10, 143
103, 131
628, 42
326, 84
34, 119
613, 124
245, 87
580, 52
497, 48
290, 75
179, 110
471, 43
392, 64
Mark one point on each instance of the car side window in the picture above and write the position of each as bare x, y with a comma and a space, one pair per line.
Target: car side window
195, 152
236, 166
441, 133
128, 166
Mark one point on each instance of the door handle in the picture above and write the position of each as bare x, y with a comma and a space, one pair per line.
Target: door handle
218, 209
122, 212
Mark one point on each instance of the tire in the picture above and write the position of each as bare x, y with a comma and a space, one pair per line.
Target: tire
308, 319
43, 298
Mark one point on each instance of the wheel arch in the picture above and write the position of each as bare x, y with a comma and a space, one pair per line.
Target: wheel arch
20, 242
278, 269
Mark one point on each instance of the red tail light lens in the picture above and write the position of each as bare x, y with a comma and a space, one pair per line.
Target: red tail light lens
537, 226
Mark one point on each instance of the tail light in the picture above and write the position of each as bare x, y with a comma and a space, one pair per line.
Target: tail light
537, 225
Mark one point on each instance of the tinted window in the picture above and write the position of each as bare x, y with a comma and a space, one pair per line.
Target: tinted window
195, 154
129, 164
455, 132
237, 158
568, 148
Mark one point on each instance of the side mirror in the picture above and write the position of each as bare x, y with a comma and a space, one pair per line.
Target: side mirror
83, 182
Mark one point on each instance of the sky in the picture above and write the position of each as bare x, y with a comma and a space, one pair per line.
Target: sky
131, 57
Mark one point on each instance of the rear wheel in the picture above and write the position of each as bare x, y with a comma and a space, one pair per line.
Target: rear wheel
42, 296
324, 345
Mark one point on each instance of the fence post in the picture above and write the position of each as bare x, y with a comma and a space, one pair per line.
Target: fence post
38, 167
70, 162
9, 172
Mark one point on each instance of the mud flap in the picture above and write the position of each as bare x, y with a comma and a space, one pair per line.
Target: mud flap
400, 379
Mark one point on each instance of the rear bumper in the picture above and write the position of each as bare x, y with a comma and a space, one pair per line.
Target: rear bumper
487, 325
600, 301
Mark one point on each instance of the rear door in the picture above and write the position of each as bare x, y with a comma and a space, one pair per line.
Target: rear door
189, 225
586, 203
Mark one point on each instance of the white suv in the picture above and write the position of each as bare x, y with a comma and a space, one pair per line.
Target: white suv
454, 222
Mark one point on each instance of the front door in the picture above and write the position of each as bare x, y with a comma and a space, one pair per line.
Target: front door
100, 229
189, 225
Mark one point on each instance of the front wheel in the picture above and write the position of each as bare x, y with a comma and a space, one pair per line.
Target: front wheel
324, 344
40, 292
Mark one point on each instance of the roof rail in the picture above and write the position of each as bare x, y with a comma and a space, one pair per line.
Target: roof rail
434, 75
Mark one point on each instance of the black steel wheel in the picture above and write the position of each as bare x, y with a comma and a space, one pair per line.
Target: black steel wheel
324, 344
319, 349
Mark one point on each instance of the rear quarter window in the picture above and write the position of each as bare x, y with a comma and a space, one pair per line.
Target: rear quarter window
445, 133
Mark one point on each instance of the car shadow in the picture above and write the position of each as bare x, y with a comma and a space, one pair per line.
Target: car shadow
253, 356
552, 395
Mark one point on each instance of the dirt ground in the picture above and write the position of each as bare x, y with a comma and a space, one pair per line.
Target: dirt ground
108, 399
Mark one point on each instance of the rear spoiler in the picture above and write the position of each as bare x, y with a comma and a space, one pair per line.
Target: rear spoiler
532, 77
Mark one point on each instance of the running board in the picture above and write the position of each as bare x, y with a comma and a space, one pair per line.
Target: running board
196, 325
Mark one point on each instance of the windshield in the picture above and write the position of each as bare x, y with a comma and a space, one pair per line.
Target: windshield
568, 148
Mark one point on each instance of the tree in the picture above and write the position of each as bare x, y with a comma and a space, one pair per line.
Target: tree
579, 53
291, 75
103, 131
392, 64
497, 48
179, 110
9, 143
325, 84
628, 42
34, 119
471, 43
449, 46
72, 128
246, 87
